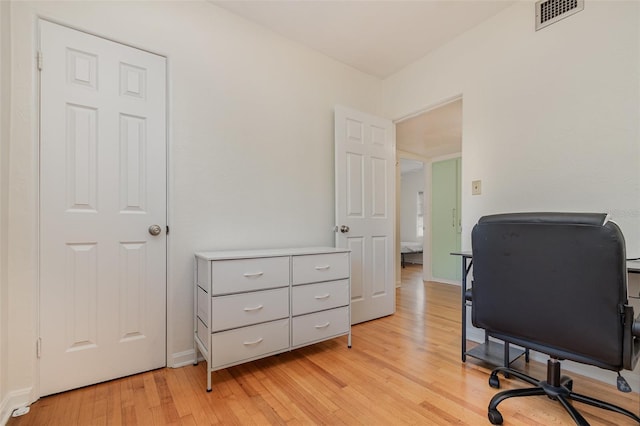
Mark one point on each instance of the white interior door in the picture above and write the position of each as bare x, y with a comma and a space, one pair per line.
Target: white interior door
365, 209
102, 184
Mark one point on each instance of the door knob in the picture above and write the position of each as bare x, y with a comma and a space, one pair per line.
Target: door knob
155, 229
344, 229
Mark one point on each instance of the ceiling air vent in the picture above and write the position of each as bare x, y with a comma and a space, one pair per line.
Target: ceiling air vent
551, 11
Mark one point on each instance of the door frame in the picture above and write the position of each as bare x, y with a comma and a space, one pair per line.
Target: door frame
37, 94
427, 240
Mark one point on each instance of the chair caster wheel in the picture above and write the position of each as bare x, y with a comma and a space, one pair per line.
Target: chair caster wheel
495, 417
494, 381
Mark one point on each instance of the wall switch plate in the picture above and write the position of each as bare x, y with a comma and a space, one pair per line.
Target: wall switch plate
476, 187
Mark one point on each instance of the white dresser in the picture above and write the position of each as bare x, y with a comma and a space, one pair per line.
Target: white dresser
252, 304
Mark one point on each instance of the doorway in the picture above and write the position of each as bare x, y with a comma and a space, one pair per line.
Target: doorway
432, 136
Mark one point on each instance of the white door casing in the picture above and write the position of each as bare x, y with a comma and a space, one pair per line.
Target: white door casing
102, 184
365, 205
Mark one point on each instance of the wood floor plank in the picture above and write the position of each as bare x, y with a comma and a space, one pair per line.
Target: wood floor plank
402, 369
200, 402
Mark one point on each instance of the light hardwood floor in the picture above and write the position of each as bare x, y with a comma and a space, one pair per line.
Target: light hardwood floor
402, 369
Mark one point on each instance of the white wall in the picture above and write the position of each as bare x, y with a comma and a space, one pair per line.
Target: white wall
412, 183
251, 145
550, 118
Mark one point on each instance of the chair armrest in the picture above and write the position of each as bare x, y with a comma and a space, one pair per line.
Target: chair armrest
631, 339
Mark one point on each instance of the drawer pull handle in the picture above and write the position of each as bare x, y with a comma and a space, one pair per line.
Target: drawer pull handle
253, 309
323, 297
253, 274
325, 325
255, 342
323, 268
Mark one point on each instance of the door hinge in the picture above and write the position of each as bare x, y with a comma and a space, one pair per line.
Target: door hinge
167, 229
39, 347
39, 60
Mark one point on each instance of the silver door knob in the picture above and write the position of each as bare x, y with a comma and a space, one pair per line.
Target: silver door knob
155, 229
344, 229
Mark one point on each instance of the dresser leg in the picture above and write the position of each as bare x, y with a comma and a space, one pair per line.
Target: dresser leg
195, 346
349, 340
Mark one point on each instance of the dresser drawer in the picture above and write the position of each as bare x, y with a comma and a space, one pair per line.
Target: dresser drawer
238, 310
204, 304
320, 267
321, 296
240, 275
234, 346
319, 326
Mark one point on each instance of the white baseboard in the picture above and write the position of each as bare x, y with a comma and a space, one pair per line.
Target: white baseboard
13, 400
180, 359
445, 281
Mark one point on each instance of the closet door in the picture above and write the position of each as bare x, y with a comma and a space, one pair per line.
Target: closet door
445, 219
102, 210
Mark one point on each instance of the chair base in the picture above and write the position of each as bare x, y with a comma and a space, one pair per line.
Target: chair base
556, 387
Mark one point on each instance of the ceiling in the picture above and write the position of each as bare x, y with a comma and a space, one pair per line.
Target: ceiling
434, 133
376, 37
380, 38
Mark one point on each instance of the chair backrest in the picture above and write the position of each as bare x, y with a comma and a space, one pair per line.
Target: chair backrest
552, 282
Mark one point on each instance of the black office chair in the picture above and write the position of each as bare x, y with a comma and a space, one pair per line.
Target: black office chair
555, 283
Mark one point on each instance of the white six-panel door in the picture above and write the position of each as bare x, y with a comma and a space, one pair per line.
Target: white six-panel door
365, 209
102, 185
